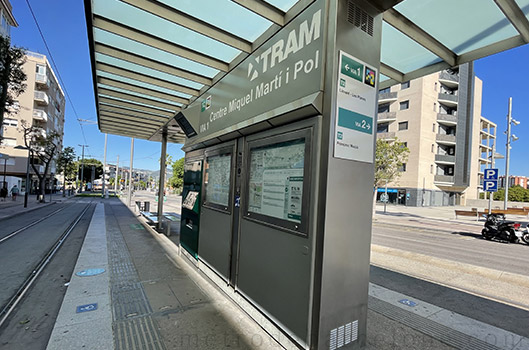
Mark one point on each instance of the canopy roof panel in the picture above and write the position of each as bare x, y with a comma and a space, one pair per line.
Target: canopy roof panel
151, 58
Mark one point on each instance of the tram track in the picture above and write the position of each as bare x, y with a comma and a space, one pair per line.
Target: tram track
8, 308
14, 233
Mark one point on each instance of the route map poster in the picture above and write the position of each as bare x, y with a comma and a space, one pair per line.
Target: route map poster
218, 179
276, 180
356, 105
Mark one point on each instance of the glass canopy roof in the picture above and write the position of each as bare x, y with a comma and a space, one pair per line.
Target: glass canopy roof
152, 58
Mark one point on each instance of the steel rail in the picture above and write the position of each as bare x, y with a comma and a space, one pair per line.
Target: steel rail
17, 297
29, 225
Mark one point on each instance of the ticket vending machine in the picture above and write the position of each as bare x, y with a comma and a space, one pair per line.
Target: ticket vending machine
286, 140
191, 198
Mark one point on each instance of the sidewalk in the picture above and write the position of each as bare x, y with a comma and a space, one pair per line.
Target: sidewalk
9, 207
148, 296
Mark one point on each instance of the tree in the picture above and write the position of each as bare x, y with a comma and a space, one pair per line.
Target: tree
12, 76
66, 165
87, 164
515, 194
389, 159
42, 148
177, 179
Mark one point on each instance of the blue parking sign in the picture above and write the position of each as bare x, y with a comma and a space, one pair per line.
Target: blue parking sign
490, 185
491, 174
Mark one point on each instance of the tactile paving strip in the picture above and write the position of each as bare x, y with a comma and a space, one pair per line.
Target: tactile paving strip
137, 333
134, 328
439, 332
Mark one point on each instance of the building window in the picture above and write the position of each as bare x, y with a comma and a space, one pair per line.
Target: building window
384, 108
403, 145
405, 85
10, 122
385, 90
404, 105
382, 127
403, 167
431, 168
403, 126
40, 69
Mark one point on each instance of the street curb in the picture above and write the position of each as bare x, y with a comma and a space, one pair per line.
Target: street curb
26, 211
485, 272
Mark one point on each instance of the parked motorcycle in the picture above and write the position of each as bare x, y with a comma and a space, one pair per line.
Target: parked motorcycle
522, 233
496, 226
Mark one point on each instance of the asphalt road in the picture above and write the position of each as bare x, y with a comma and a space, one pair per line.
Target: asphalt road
456, 242
30, 325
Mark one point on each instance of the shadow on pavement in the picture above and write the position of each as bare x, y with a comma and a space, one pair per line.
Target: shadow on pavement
497, 314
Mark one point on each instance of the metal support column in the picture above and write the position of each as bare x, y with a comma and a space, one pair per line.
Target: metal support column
130, 174
508, 139
162, 179
104, 167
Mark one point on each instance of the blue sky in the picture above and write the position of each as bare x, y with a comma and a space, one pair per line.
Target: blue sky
63, 25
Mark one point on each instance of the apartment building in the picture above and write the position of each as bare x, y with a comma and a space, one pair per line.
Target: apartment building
514, 180
42, 104
439, 119
6, 18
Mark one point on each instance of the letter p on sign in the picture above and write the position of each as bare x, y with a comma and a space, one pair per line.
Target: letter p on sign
491, 174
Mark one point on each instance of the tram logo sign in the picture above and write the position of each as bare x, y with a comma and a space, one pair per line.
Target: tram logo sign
297, 39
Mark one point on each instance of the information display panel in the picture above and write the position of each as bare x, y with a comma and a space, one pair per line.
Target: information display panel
278, 180
217, 180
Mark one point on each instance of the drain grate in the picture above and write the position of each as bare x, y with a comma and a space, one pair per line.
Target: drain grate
440, 332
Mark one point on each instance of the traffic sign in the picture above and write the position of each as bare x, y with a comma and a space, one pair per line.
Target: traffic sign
490, 185
491, 174
384, 198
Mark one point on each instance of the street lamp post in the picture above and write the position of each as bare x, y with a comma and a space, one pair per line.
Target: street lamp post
509, 139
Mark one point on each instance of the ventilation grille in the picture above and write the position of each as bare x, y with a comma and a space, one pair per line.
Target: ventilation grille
359, 18
343, 335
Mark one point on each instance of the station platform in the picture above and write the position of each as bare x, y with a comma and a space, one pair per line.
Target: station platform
133, 288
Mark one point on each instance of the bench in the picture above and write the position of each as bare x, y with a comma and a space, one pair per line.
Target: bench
474, 213
150, 217
513, 211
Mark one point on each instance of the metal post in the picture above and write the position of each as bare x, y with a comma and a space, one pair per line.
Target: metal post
104, 167
508, 138
5, 166
82, 166
28, 186
116, 176
130, 174
386, 193
162, 179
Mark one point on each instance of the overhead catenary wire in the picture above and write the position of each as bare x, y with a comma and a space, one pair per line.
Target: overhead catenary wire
56, 69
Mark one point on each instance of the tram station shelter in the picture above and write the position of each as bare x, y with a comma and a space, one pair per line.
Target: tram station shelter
275, 104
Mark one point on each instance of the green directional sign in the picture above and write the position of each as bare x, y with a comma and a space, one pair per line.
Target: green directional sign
352, 68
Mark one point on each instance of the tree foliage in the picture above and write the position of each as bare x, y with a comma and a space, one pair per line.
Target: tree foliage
515, 194
43, 147
389, 159
66, 163
12, 76
87, 165
177, 179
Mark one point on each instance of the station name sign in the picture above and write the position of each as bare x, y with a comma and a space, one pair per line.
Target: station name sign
286, 68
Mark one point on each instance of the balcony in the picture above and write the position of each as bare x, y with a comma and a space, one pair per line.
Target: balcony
449, 79
386, 117
386, 136
444, 178
387, 97
41, 98
446, 119
42, 81
39, 114
446, 139
444, 159
448, 99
